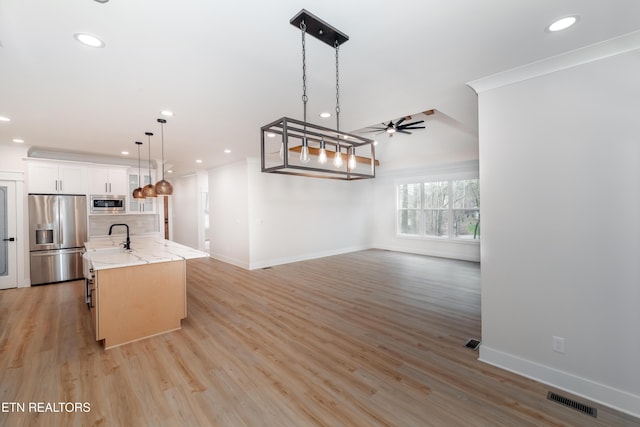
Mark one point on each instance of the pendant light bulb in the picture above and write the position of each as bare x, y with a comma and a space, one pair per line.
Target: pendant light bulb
137, 193
163, 187
149, 190
352, 159
337, 160
304, 153
282, 151
322, 156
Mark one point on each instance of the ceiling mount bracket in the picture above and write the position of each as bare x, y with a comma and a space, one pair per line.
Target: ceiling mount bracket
319, 29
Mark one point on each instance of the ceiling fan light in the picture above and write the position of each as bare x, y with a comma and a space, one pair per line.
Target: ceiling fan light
391, 130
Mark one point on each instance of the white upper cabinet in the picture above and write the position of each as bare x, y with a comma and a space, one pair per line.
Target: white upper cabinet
57, 178
111, 181
140, 205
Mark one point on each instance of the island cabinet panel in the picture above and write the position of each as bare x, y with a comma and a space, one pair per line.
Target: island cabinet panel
139, 301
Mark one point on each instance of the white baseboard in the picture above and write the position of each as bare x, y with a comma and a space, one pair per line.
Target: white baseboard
229, 260
608, 396
434, 253
304, 257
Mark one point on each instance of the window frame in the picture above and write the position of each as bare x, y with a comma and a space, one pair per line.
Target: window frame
450, 236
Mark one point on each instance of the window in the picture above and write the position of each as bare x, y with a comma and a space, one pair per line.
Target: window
444, 209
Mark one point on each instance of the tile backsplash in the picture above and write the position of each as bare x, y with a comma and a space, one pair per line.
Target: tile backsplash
138, 224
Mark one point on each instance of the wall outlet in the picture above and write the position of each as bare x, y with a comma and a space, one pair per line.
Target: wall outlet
558, 344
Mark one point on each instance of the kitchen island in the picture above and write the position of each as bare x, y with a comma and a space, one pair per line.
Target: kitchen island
137, 293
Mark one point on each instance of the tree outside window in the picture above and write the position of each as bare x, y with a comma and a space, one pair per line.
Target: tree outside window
444, 209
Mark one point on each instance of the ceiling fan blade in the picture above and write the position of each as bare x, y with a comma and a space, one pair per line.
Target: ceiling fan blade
412, 127
403, 131
400, 121
414, 123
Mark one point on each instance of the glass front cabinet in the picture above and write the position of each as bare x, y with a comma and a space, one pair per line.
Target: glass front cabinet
140, 205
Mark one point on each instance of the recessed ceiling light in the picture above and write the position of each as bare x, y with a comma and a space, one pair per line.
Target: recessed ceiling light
18, 140
170, 171
563, 24
4, 119
375, 142
227, 151
325, 115
166, 113
198, 161
89, 40
124, 153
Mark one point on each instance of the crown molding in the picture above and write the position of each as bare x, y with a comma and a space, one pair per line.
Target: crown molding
605, 49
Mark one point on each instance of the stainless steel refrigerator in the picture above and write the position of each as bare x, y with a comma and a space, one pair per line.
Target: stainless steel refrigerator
57, 232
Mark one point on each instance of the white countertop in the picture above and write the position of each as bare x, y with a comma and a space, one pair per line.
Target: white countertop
107, 252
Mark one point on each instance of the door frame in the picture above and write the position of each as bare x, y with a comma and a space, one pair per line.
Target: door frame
21, 233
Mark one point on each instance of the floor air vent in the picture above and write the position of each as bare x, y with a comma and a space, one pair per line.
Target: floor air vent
473, 344
585, 409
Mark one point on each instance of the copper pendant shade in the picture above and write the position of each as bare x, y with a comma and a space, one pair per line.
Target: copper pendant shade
137, 193
163, 187
149, 190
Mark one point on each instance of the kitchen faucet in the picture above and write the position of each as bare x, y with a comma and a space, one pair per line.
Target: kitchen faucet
127, 243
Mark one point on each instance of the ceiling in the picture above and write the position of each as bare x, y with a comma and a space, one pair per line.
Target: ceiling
226, 68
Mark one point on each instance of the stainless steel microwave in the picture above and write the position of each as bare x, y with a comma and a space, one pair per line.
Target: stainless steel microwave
107, 204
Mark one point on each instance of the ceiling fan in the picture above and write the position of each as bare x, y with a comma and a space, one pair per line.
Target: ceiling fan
399, 126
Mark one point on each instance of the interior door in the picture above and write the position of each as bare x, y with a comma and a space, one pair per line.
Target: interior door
8, 234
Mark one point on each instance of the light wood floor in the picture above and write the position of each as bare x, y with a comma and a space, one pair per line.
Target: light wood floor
372, 338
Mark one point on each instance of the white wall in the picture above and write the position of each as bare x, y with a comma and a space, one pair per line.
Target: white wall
11, 156
560, 190
294, 218
185, 210
229, 212
384, 207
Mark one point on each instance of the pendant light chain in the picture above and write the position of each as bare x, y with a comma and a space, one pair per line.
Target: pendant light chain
303, 28
139, 144
149, 138
150, 189
162, 139
337, 46
163, 187
337, 162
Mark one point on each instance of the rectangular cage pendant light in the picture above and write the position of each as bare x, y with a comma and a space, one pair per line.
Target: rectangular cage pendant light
297, 147
282, 143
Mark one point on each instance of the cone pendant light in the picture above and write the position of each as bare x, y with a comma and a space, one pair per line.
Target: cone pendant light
163, 187
149, 190
137, 193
